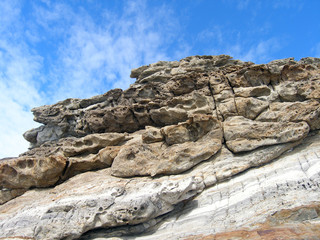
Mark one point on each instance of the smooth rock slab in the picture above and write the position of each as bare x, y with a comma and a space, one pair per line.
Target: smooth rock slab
250, 107
103, 159
91, 143
243, 134
252, 91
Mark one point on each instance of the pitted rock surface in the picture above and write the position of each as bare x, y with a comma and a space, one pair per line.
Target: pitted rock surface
203, 148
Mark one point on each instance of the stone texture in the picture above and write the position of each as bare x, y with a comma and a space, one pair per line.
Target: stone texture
152, 135
179, 109
91, 143
308, 111
185, 145
243, 134
250, 107
103, 159
252, 91
25, 172
8, 194
280, 199
55, 162
80, 204
203, 148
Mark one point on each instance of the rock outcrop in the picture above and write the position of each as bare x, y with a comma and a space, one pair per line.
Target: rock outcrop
204, 148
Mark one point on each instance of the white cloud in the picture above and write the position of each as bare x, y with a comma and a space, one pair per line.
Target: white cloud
260, 52
86, 58
19, 71
19, 94
94, 57
9, 11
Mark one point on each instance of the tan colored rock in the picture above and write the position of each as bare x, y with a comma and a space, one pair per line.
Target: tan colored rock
57, 161
170, 114
26, 172
257, 91
258, 75
147, 102
113, 119
188, 144
227, 108
103, 159
152, 135
308, 111
250, 107
242, 134
141, 113
192, 130
224, 95
92, 152
299, 72
8, 194
218, 82
254, 75
180, 108
237, 79
91, 143
299, 90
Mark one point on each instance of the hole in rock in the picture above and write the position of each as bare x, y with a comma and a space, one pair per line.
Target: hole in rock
131, 156
22, 164
30, 163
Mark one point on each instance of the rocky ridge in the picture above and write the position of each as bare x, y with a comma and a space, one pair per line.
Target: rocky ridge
203, 148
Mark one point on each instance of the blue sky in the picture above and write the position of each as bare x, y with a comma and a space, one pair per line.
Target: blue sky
52, 50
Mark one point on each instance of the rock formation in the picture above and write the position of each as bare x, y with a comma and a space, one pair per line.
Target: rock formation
204, 148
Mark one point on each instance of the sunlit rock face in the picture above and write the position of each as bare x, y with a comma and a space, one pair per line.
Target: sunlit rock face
203, 148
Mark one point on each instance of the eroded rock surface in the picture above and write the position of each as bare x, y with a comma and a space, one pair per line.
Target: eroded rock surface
203, 148
243, 134
184, 146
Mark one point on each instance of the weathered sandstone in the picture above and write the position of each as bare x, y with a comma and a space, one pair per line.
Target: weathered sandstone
242, 134
185, 145
203, 148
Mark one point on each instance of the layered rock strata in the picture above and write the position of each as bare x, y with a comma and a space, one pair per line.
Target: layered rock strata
192, 150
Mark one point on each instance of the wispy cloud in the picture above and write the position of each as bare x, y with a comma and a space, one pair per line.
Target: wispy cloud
88, 56
93, 58
232, 42
18, 73
260, 52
